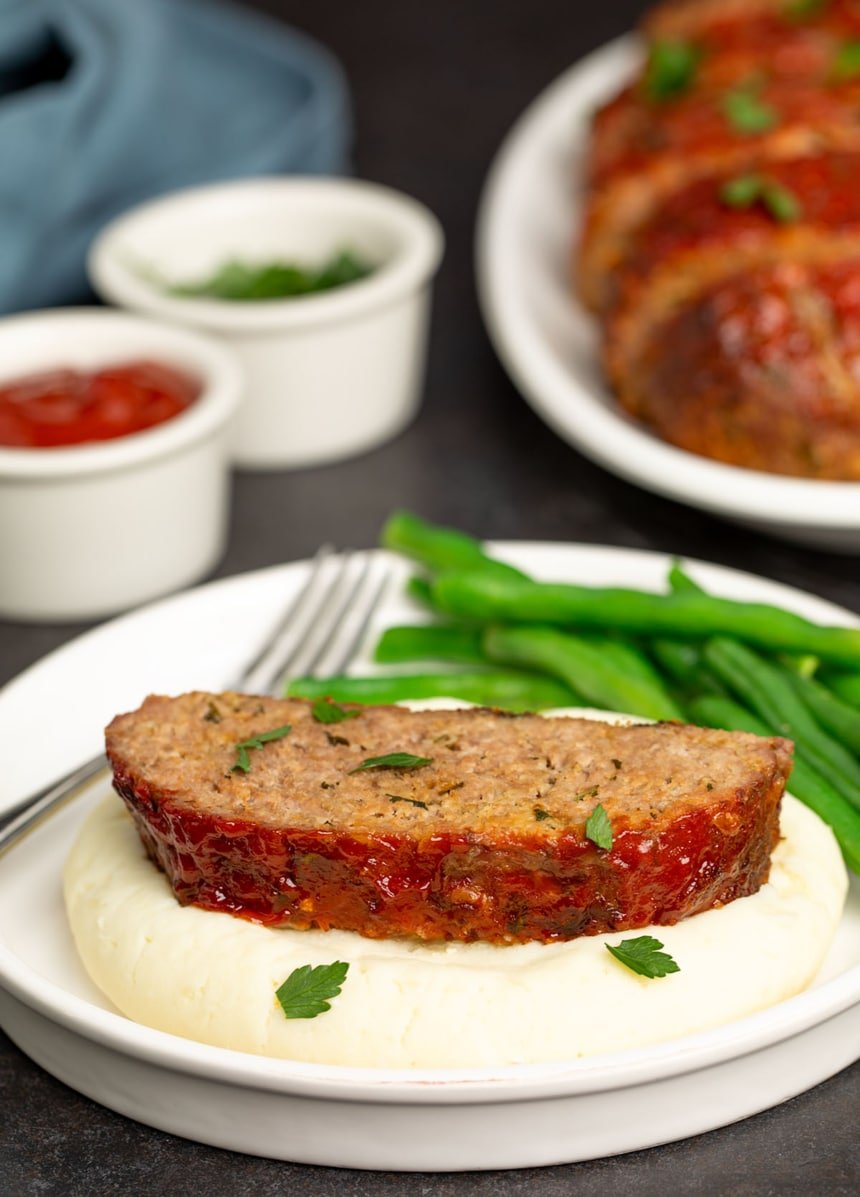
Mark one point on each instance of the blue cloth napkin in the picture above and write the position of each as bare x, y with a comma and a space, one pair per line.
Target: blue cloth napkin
104, 103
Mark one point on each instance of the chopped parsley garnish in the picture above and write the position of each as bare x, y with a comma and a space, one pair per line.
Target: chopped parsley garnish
670, 70
394, 760
643, 955
804, 10
598, 828
747, 113
243, 760
777, 200
411, 801
541, 814
846, 62
238, 281
308, 991
326, 711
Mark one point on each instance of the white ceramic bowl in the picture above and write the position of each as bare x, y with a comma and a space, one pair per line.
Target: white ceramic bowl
327, 375
550, 346
91, 529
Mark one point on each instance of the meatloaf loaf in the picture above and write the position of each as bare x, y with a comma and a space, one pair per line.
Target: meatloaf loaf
732, 158
489, 839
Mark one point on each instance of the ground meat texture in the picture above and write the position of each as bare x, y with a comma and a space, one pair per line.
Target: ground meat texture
642, 159
487, 842
762, 371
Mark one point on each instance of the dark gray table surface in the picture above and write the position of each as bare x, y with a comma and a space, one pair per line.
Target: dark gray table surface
436, 87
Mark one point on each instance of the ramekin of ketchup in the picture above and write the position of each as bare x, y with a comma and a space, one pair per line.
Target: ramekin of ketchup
114, 463
74, 407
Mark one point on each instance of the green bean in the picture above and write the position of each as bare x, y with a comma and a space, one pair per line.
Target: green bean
585, 666
512, 690
846, 686
419, 590
805, 782
493, 598
682, 661
430, 642
440, 548
762, 687
680, 581
804, 664
631, 660
712, 710
835, 716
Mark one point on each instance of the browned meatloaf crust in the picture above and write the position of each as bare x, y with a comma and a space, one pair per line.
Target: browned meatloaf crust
487, 842
721, 233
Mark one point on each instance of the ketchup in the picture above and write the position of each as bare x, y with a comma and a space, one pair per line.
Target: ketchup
74, 407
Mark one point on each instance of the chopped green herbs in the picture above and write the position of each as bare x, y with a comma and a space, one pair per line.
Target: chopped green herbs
804, 10
243, 759
747, 113
598, 828
541, 814
846, 62
326, 711
308, 991
411, 801
670, 70
778, 200
237, 280
643, 955
393, 760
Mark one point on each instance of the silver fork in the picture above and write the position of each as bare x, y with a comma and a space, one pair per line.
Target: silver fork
318, 634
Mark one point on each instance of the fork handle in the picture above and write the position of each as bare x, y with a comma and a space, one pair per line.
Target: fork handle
49, 800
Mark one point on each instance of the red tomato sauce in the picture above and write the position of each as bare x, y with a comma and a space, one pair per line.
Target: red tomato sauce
75, 407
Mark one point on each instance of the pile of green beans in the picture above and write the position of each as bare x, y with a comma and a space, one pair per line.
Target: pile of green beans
501, 639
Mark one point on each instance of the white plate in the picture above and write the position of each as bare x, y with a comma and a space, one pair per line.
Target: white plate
548, 343
361, 1118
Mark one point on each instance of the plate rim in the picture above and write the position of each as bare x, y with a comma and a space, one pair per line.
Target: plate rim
576, 412
596, 1074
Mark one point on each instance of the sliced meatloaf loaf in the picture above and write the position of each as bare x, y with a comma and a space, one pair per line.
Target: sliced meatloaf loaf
488, 839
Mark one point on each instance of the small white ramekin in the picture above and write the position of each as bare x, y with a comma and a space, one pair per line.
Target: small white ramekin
91, 529
327, 375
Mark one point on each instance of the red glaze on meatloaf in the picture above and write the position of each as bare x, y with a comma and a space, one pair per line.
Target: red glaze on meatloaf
486, 842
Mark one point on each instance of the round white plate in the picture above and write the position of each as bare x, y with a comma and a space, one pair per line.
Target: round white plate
431, 1120
530, 211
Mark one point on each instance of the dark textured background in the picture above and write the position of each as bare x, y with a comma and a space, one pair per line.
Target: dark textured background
436, 86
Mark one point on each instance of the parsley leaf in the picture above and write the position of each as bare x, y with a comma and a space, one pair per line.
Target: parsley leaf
243, 760
238, 281
804, 10
642, 955
777, 200
394, 760
747, 113
846, 62
598, 828
782, 204
307, 991
326, 711
670, 70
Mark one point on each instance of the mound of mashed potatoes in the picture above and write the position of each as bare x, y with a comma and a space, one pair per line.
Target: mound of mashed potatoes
211, 977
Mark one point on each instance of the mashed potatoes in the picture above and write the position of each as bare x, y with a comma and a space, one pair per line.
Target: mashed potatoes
211, 977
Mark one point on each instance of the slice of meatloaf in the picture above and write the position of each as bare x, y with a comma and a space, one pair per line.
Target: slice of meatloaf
488, 841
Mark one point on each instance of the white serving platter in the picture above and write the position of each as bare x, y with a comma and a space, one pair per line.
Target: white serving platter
530, 212
432, 1120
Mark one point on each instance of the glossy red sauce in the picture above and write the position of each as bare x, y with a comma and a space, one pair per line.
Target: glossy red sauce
453, 886
75, 407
